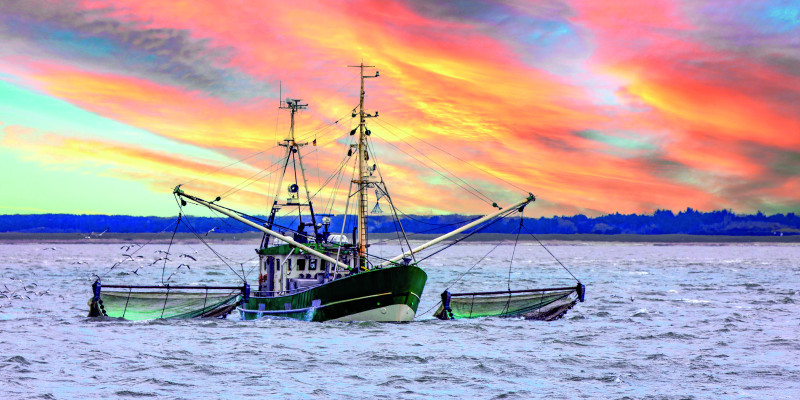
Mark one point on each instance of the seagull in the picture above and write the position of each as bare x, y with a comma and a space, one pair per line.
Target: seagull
161, 258
161, 251
188, 256
128, 247
49, 248
91, 235
176, 270
212, 230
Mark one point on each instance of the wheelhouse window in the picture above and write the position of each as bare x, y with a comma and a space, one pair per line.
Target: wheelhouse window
301, 264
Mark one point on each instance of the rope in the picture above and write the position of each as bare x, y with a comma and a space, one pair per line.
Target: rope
470, 268
431, 309
548, 250
511, 262
166, 256
165, 303
203, 313
514, 250
124, 310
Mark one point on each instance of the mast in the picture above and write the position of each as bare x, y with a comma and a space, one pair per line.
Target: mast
363, 175
292, 148
294, 105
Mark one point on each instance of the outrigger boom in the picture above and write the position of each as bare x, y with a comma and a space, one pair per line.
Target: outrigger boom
270, 232
522, 203
393, 260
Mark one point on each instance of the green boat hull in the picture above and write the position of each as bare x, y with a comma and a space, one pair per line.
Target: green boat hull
387, 295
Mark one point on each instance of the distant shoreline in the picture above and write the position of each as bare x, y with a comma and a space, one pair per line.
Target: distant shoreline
255, 237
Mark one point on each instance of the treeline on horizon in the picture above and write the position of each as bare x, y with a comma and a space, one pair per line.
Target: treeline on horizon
690, 222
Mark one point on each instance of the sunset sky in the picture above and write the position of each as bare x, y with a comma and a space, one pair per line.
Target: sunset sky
594, 106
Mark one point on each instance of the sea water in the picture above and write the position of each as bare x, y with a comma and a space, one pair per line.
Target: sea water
659, 322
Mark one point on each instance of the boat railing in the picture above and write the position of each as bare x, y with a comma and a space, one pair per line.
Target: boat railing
514, 291
260, 294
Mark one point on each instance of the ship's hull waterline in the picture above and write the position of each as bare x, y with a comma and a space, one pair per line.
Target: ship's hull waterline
384, 295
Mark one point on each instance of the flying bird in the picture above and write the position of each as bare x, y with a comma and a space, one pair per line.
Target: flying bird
188, 256
92, 235
176, 270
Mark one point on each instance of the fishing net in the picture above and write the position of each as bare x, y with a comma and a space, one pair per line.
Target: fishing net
135, 306
542, 305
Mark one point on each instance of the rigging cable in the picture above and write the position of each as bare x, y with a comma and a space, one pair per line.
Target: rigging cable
338, 176
453, 155
514, 250
166, 255
191, 228
478, 195
141, 246
471, 189
511, 262
548, 250
433, 229
346, 209
473, 266
385, 190
478, 229
229, 165
252, 179
237, 188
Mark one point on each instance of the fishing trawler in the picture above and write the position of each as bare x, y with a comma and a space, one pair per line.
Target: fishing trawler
308, 270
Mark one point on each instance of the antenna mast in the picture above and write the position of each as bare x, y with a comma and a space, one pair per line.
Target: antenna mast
363, 172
